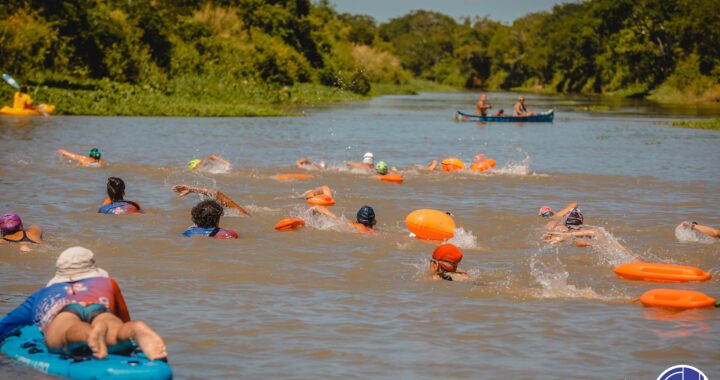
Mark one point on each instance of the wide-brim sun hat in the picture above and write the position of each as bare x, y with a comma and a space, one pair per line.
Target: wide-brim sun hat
75, 264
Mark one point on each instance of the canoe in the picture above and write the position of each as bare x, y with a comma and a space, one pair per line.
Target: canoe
656, 272
41, 110
546, 116
28, 347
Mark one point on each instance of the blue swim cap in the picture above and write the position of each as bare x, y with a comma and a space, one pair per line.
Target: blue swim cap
366, 216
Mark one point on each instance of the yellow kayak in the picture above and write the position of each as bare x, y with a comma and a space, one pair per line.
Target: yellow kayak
40, 110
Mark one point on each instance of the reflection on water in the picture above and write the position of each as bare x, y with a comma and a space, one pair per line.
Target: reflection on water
328, 301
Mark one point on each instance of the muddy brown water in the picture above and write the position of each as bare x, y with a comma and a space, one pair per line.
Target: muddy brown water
326, 301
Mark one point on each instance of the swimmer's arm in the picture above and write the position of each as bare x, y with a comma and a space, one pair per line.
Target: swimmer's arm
432, 165
324, 189
73, 156
184, 190
323, 210
712, 232
564, 211
227, 202
213, 157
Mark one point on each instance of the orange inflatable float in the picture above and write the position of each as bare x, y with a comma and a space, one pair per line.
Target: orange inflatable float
392, 177
483, 165
675, 298
452, 164
322, 200
661, 272
289, 224
285, 177
430, 224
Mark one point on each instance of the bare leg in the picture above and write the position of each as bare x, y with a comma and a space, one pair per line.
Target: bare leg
150, 342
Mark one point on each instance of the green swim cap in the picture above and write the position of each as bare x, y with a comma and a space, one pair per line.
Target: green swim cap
193, 163
381, 168
95, 153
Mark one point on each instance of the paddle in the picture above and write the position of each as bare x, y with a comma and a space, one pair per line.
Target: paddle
12, 82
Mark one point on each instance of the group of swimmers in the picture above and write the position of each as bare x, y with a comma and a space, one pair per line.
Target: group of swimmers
82, 307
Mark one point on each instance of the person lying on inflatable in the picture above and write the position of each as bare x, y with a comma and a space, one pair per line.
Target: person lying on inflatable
367, 163
211, 163
206, 216
12, 231
365, 218
709, 231
80, 308
444, 263
114, 204
93, 159
223, 199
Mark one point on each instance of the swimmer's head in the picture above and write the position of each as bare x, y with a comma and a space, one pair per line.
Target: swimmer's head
368, 158
381, 168
206, 214
366, 216
115, 189
546, 212
192, 164
574, 218
447, 257
10, 223
95, 153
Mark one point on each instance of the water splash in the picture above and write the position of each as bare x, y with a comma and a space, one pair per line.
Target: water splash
609, 249
323, 222
463, 239
554, 281
513, 167
685, 234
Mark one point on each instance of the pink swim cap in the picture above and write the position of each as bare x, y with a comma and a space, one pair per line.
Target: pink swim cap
10, 223
546, 211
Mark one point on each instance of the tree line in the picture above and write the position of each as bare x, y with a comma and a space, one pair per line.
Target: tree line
625, 47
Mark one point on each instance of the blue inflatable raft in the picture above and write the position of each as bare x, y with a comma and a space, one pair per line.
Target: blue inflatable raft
27, 346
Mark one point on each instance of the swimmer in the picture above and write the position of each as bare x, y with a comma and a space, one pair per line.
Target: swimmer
368, 162
12, 231
444, 263
304, 163
206, 216
115, 204
555, 217
81, 307
429, 167
322, 190
365, 217
92, 159
570, 228
709, 231
223, 199
211, 163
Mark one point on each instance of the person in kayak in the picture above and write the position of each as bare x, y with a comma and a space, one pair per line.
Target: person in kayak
210, 164
13, 231
444, 263
115, 204
707, 230
22, 99
368, 162
305, 163
93, 159
520, 109
81, 307
223, 199
206, 216
365, 218
481, 106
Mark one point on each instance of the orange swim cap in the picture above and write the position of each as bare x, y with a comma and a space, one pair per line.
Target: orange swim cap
448, 256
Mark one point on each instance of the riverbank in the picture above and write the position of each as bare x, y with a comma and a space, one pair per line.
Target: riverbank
199, 97
698, 124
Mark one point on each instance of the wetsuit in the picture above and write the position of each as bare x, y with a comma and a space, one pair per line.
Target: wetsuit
217, 232
92, 296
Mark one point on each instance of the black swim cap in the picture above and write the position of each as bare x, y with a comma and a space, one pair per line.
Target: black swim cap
574, 218
366, 216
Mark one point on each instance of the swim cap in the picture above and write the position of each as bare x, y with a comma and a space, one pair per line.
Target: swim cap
368, 158
95, 153
448, 256
193, 163
10, 223
366, 216
574, 218
546, 211
381, 168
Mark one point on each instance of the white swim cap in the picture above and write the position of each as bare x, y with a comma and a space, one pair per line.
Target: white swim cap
368, 158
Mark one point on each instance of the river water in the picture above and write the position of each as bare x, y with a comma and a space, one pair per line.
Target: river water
328, 302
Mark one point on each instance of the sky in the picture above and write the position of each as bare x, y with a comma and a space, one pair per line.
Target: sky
499, 10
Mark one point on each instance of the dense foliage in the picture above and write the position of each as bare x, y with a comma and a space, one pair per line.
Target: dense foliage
667, 48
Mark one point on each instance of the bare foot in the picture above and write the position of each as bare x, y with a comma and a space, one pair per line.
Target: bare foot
96, 341
150, 342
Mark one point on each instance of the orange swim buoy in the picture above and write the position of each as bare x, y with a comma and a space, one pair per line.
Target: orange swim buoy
289, 224
285, 177
322, 200
483, 165
676, 298
452, 164
392, 177
656, 272
430, 224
